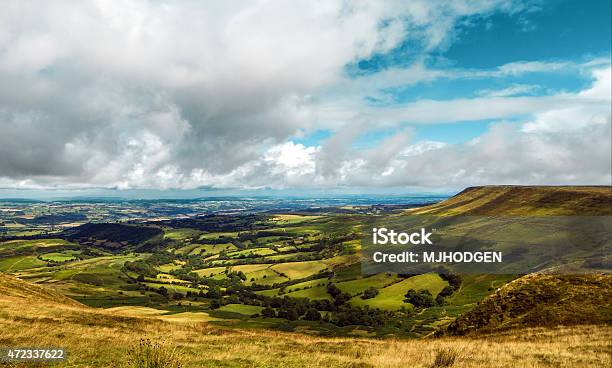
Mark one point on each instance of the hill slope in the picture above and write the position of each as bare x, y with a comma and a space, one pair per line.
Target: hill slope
111, 236
541, 300
98, 338
525, 201
15, 289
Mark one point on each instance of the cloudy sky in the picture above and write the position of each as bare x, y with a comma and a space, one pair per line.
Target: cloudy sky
303, 95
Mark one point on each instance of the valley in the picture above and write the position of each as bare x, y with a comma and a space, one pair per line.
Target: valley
295, 277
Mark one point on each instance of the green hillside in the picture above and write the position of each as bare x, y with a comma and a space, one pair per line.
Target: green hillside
525, 201
303, 272
541, 300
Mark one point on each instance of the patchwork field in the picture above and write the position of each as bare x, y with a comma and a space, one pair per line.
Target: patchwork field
289, 288
107, 338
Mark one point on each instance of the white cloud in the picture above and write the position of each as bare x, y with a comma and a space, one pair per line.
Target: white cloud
155, 94
513, 90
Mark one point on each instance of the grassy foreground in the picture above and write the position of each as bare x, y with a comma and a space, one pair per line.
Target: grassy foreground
33, 316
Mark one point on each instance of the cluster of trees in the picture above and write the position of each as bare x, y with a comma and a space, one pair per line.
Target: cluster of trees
339, 297
140, 267
422, 298
369, 293
293, 309
454, 280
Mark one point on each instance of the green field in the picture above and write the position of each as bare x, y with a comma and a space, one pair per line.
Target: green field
58, 257
356, 287
298, 270
392, 297
13, 264
251, 252
247, 310
181, 234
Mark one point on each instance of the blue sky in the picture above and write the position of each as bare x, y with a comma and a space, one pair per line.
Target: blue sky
555, 31
304, 97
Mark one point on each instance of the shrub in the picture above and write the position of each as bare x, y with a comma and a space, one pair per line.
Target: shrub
148, 354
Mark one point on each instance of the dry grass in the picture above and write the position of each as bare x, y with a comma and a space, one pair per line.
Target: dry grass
97, 338
445, 358
149, 354
101, 338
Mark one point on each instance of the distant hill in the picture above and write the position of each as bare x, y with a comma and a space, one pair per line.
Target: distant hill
13, 288
525, 201
541, 300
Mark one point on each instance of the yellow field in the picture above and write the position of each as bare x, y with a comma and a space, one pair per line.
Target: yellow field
298, 270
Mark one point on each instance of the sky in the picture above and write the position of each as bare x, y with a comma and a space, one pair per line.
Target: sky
303, 96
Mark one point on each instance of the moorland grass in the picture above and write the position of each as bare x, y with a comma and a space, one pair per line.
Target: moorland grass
100, 338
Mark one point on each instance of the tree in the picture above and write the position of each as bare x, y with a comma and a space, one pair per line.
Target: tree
342, 298
447, 291
333, 290
163, 291
369, 293
312, 315
292, 314
140, 278
214, 292
215, 304
420, 299
268, 312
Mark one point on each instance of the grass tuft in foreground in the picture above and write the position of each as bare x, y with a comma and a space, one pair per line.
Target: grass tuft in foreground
148, 354
445, 358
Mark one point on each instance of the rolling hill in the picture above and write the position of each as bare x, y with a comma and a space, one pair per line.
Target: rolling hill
20, 292
31, 315
541, 300
112, 236
524, 201
548, 298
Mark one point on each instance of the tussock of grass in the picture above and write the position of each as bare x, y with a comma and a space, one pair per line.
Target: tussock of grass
148, 354
445, 357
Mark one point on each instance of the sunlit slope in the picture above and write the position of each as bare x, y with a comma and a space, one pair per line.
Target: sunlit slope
15, 290
541, 300
98, 338
525, 201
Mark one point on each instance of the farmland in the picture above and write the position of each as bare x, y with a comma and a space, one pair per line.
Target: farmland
292, 272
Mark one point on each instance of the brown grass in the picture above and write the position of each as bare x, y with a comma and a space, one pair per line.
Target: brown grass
97, 338
445, 358
149, 354
508, 200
